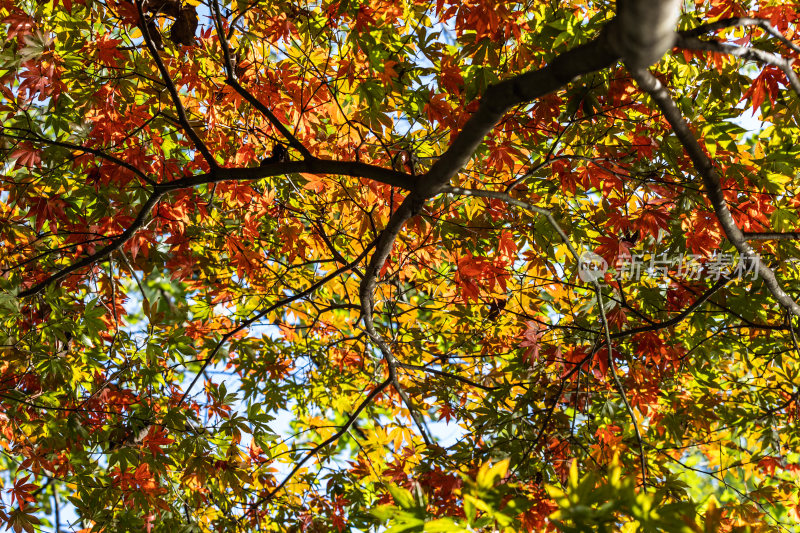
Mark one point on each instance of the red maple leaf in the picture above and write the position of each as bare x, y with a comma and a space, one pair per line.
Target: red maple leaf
21, 491
26, 156
156, 438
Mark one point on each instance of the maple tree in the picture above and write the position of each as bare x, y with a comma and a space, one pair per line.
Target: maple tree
316, 266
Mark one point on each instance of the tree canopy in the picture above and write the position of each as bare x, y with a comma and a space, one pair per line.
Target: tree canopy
399, 265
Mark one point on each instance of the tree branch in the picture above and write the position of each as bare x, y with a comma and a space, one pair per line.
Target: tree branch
703, 298
173, 92
391, 364
115, 244
739, 22
313, 165
330, 440
752, 54
620, 389
70, 146
230, 79
772, 236
712, 184
258, 316
499, 98
444, 374
598, 291
644, 30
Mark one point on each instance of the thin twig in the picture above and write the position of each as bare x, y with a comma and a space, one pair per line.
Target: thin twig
618, 383
258, 316
330, 440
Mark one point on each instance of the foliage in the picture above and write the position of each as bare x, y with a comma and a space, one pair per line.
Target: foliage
314, 266
487, 505
598, 504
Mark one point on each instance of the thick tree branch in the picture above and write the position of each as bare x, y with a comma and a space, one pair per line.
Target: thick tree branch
391, 364
384, 247
644, 30
309, 166
499, 98
713, 185
313, 166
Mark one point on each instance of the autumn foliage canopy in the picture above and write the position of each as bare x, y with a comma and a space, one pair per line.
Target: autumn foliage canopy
399, 265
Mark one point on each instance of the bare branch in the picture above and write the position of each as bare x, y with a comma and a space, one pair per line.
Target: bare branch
740, 22
752, 54
772, 236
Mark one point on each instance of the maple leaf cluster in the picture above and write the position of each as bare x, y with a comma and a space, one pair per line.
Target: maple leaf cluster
316, 266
